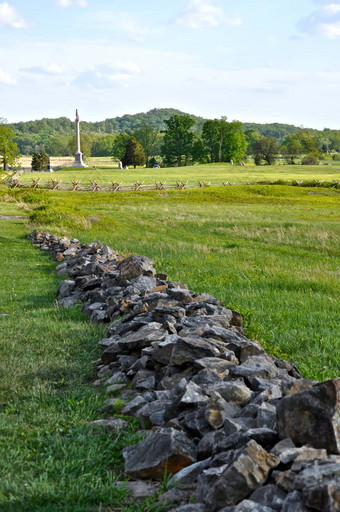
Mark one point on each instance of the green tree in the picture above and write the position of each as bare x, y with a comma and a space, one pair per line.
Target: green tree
291, 148
210, 137
36, 163
103, 145
39, 161
234, 143
178, 142
119, 145
9, 151
148, 138
134, 153
264, 148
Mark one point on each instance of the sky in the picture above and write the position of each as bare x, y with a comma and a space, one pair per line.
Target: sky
252, 60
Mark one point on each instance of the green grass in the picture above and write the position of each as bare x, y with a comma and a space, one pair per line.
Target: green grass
271, 252
50, 460
215, 174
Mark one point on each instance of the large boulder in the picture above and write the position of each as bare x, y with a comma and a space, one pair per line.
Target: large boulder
312, 416
164, 451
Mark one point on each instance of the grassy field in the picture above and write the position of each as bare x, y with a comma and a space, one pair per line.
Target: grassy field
216, 174
271, 252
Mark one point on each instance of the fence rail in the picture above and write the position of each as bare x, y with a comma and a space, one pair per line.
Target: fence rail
137, 186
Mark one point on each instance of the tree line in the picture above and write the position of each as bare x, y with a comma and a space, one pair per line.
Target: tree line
54, 135
180, 143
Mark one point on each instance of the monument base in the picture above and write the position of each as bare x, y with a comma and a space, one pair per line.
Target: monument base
78, 160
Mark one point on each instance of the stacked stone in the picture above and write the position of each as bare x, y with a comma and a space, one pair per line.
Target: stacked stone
239, 429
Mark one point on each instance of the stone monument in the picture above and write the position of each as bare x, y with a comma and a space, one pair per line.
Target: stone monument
49, 166
78, 155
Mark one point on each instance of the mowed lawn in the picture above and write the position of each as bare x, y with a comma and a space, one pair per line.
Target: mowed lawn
215, 174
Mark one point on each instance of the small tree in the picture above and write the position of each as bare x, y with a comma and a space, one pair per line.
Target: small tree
291, 148
39, 161
263, 148
36, 162
119, 145
9, 151
148, 138
134, 153
44, 160
178, 140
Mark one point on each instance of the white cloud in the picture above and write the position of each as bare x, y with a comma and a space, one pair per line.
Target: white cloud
330, 30
120, 21
5, 78
71, 3
49, 69
104, 77
202, 13
331, 9
324, 22
9, 16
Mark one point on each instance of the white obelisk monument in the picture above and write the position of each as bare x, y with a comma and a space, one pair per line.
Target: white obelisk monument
78, 155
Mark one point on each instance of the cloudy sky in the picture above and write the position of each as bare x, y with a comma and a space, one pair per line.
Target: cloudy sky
252, 60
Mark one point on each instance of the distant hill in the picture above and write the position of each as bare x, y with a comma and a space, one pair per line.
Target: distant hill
49, 133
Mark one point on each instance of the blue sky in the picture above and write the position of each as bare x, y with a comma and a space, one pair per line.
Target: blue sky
251, 60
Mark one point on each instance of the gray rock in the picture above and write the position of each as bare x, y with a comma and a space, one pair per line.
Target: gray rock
132, 407
208, 441
144, 283
144, 380
134, 266
207, 380
234, 391
255, 366
207, 321
294, 502
192, 507
111, 352
196, 422
143, 337
110, 424
65, 289
163, 349
323, 497
117, 378
286, 451
266, 416
215, 364
232, 425
270, 496
68, 302
187, 350
154, 413
163, 451
236, 481
252, 506
189, 474
193, 395
312, 416
174, 496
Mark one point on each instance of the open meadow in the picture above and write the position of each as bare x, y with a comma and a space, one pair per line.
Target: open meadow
216, 174
270, 252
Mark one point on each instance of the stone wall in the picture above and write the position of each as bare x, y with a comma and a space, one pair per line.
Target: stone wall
239, 429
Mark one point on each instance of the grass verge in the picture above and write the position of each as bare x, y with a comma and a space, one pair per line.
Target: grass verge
50, 459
